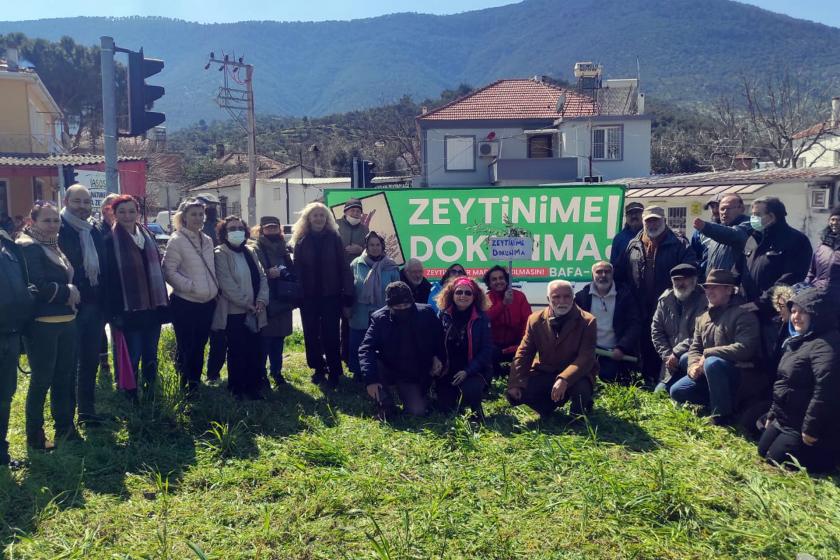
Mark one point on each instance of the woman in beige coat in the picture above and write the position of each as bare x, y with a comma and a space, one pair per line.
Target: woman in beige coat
189, 268
240, 311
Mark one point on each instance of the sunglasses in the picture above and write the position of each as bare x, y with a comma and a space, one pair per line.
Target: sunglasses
463, 292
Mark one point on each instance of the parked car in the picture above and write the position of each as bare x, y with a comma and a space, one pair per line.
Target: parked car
161, 237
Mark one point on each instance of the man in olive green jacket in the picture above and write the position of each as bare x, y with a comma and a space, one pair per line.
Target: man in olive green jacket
723, 348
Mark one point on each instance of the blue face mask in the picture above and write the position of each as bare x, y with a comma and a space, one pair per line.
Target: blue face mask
756, 223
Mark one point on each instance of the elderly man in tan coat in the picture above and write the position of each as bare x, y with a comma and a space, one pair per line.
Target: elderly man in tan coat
555, 362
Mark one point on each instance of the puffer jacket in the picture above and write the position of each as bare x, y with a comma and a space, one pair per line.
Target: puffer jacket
189, 267
51, 277
630, 268
806, 394
825, 264
730, 333
673, 324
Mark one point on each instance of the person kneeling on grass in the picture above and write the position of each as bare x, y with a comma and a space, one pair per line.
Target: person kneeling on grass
402, 349
806, 396
555, 363
724, 346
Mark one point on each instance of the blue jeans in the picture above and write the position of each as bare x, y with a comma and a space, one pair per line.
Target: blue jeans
356, 338
272, 347
665, 387
142, 345
715, 389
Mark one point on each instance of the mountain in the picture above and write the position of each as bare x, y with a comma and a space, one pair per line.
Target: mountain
687, 51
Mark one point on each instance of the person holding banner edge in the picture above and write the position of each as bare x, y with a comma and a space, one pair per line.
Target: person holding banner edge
508, 313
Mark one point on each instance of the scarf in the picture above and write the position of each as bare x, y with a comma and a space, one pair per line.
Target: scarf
373, 292
90, 258
252, 266
143, 288
275, 252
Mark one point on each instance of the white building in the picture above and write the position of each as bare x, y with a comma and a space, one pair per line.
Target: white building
825, 152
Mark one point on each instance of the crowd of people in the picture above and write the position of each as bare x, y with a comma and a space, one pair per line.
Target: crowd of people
740, 320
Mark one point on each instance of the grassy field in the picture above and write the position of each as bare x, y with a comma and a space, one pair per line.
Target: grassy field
309, 476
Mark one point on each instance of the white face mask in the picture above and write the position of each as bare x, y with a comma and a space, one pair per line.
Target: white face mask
236, 238
756, 223
353, 221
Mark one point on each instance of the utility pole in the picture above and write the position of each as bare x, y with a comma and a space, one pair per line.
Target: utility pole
240, 104
109, 112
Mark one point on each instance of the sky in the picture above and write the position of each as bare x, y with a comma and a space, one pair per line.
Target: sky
212, 11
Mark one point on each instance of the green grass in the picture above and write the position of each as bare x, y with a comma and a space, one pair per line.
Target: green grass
306, 476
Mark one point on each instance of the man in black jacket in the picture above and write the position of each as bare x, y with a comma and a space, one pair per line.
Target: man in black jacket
402, 349
16, 302
646, 267
81, 242
413, 275
783, 254
618, 319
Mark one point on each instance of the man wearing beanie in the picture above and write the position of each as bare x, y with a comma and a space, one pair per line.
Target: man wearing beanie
353, 233
402, 349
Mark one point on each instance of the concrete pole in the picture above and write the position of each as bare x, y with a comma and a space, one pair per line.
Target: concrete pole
109, 112
252, 148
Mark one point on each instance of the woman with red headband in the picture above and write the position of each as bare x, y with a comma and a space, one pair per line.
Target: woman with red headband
469, 346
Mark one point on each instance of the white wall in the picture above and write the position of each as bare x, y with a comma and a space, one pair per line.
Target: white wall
271, 196
636, 148
512, 144
824, 153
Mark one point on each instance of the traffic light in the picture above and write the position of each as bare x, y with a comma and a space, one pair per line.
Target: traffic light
367, 173
142, 96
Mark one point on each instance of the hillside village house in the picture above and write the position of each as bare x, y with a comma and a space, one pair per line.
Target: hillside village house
529, 132
825, 152
32, 163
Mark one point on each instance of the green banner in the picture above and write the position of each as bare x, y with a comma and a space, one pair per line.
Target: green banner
572, 226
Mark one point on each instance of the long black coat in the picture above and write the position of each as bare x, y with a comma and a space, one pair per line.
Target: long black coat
322, 269
806, 394
627, 318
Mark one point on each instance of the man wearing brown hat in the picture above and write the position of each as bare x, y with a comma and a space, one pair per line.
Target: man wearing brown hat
646, 266
353, 232
402, 350
724, 346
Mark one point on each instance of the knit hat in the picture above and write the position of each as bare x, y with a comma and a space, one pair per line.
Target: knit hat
835, 211
397, 293
353, 203
269, 220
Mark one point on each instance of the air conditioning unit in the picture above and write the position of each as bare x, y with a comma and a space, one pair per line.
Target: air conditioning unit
488, 149
593, 179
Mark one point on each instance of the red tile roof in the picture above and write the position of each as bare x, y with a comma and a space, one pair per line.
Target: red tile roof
50, 160
514, 100
819, 128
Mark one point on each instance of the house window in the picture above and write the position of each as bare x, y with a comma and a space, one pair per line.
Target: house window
541, 146
607, 143
677, 219
459, 153
836, 158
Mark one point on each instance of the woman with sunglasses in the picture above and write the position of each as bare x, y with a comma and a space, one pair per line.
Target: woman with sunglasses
454, 271
136, 302
50, 340
240, 311
469, 347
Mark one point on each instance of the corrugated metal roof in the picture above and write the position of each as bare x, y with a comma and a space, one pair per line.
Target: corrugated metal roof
49, 160
715, 179
670, 192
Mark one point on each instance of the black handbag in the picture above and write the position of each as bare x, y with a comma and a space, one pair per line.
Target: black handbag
286, 293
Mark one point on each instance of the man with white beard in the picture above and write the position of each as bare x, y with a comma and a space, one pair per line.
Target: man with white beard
555, 363
646, 266
673, 323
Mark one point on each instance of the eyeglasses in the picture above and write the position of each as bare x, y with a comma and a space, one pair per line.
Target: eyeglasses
463, 292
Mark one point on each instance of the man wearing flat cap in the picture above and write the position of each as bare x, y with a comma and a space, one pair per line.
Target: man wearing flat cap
724, 346
632, 227
402, 350
673, 323
353, 233
646, 266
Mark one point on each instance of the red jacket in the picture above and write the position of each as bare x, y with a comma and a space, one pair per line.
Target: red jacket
508, 321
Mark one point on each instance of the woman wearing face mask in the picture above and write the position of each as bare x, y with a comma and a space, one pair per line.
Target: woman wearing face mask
372, 271
327, 289
469, 346
825, 264
240, 310
275, 259
137, 300
50, 340
508, 314
802, 422
454, 271
189, 268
